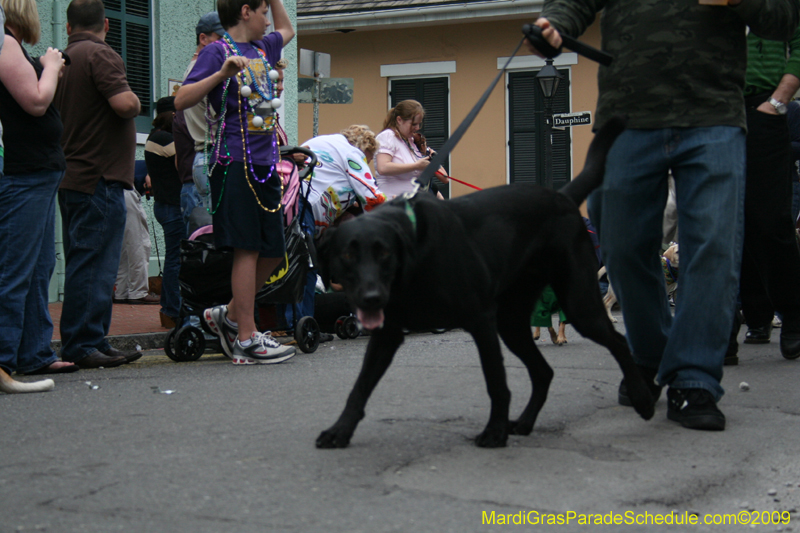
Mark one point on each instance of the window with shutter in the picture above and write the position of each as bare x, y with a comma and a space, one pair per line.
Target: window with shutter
433, 94
526, 133
129, 35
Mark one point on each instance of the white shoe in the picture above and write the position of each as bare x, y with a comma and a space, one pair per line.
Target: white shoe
263, 349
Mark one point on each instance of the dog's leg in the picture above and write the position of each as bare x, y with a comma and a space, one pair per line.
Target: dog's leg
517, 337
576, 289
562, 334
495, 434
380, 351
610, 298
11, 386
553, 335
608, 302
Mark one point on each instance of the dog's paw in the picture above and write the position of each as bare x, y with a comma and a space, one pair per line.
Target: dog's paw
492, 439
331, 438
515, 427
641, 399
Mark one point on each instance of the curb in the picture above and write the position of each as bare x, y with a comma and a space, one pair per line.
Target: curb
146, 341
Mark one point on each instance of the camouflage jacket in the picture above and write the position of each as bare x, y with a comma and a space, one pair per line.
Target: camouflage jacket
676, 63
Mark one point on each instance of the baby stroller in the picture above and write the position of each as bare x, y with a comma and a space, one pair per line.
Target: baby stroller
205, 273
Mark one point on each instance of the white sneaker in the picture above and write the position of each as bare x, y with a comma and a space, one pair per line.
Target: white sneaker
263, 349
215, 317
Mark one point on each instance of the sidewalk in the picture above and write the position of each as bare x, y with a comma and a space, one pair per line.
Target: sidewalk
130, 325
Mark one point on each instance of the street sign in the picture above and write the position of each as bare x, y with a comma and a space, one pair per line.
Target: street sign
331, 90
315, 64
564, 120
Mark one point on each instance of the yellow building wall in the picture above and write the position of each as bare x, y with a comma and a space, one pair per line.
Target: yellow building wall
480, 157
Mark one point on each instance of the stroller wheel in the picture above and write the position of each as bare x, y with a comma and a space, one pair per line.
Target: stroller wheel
169, 347
350, 327
339, 327
189, 344
307, 334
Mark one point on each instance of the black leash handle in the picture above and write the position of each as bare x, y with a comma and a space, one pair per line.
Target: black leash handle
534, 35
441, 156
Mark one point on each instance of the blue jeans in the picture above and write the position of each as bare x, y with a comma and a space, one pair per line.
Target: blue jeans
93, 227
169, 216
200, 178
708, 165
27, 260
306, 306
190, 199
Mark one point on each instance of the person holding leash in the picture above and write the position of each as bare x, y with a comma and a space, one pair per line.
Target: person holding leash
398, 161
683, 97
238, 75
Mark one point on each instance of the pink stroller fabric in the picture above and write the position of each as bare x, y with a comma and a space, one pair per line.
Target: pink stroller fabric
287, 170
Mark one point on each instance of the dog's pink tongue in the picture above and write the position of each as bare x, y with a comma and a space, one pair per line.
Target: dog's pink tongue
370, 319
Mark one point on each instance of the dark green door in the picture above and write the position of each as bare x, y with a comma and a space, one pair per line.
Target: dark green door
432, 93
527, 131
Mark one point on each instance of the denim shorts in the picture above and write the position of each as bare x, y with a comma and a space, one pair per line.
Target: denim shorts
239, 220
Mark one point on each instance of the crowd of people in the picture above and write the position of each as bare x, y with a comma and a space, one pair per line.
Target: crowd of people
714, 133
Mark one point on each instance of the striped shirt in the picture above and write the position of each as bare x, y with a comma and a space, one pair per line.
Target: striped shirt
768, 61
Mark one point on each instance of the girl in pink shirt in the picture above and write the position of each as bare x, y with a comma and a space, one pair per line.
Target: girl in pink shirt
399, 161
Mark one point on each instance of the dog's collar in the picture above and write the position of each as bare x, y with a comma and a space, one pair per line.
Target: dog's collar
412, 216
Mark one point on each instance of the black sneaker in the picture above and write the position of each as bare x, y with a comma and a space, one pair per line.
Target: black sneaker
694, 409
649, 376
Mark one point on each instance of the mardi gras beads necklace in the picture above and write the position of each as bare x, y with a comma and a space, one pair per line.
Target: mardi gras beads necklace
265, 101
248, 159
266, 107
216, 143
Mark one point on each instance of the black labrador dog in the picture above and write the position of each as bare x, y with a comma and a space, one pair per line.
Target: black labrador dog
500, 247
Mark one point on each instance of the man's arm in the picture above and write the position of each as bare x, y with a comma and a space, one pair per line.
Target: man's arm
790, 82
125, 104
283, 24
191, 94
572, 17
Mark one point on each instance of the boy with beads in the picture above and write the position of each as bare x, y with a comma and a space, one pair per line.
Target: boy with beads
237, 74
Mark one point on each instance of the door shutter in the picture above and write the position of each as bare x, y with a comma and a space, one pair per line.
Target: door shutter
527, 131
432, 93
129, 35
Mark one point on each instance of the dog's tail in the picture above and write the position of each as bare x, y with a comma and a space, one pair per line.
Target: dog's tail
11, 386
592, 175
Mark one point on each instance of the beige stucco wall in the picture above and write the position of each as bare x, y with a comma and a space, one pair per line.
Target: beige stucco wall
475, 47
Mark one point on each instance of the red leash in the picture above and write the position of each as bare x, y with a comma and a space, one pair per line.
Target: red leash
459, 181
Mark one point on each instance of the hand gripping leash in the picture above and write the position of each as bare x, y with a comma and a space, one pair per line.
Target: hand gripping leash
534, 34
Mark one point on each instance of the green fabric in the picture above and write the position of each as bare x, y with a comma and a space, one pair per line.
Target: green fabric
676, 63
767, 62
546, 305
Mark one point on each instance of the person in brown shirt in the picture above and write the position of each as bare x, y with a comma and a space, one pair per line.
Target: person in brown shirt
97, 108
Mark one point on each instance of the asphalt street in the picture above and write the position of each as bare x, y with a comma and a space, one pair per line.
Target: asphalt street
210, 447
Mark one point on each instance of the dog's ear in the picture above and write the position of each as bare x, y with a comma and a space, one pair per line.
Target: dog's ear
324, 248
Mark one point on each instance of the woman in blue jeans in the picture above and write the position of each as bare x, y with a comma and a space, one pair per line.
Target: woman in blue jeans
34, 166
159, 154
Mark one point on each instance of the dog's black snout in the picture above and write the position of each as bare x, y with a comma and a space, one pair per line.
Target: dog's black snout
371, 298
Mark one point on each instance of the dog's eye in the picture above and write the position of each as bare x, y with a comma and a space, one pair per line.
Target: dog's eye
347, 256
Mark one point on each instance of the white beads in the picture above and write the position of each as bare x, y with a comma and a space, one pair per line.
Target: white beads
274, 75
246, 91
276, 103
258, 121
